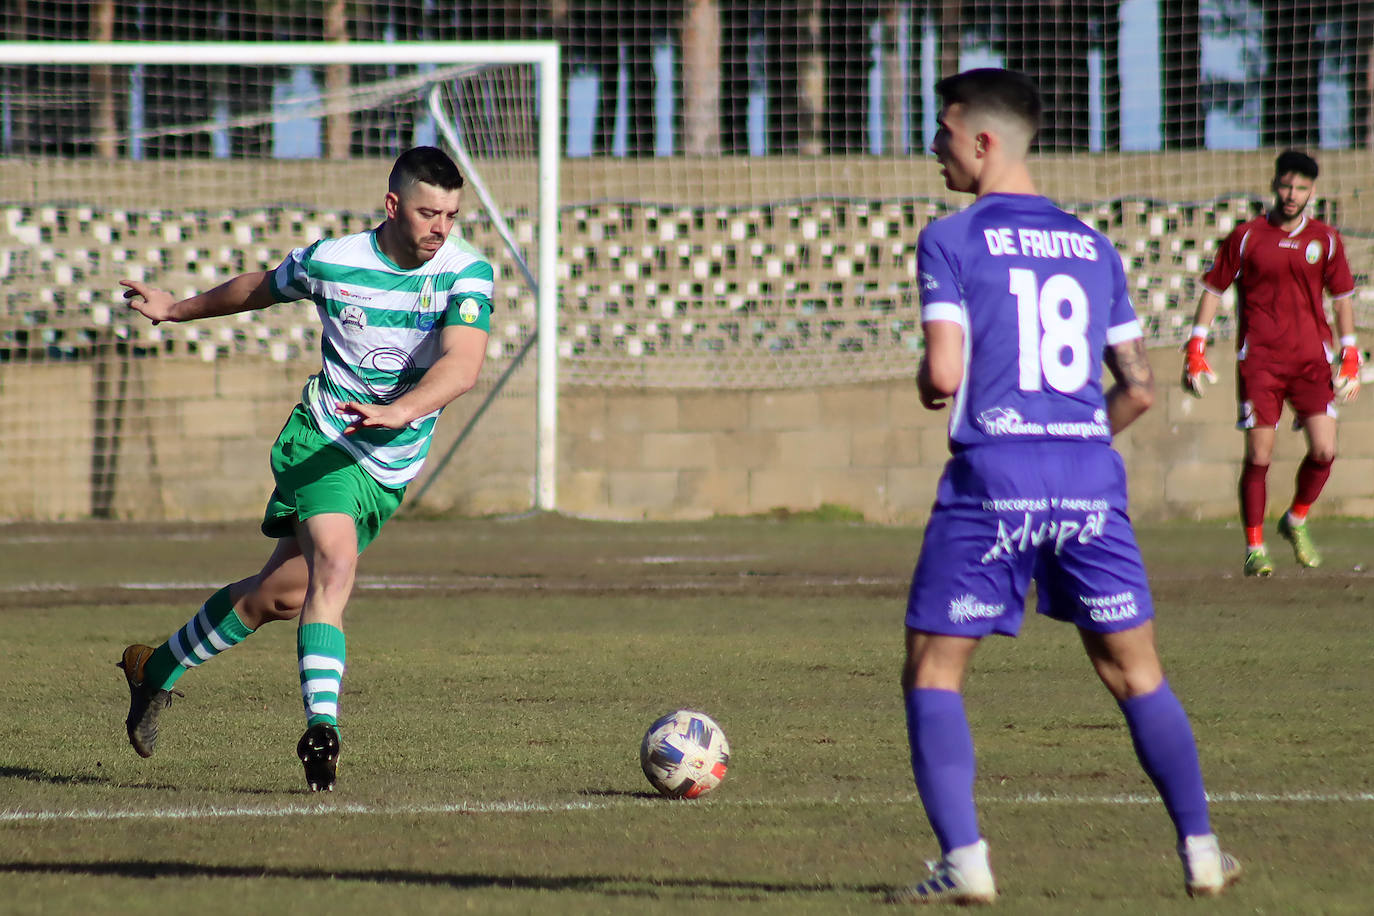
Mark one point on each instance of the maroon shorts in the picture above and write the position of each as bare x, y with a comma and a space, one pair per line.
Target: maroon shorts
1262, 386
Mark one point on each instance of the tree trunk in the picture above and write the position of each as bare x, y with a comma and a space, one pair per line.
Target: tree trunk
1181, 74
811, 82
949, 28
1288, 115
17, 81
338, 130
701, 78
102, 83
894, 82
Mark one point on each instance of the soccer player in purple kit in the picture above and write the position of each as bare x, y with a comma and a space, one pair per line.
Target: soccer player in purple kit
1022, 306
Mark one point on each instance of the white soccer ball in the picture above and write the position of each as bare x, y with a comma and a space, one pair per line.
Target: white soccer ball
684, 754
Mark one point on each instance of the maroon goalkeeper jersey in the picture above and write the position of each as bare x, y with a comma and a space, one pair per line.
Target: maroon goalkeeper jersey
1279, 279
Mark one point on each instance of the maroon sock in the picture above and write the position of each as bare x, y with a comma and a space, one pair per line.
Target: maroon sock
1252, 494
1312, 475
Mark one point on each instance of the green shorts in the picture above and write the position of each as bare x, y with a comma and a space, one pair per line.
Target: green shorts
315, 477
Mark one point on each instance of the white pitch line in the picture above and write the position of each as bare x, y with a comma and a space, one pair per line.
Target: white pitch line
667, 560
210, 812
494, 583
216, 811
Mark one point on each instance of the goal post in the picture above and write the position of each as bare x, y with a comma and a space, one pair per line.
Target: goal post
116, 126
446, 107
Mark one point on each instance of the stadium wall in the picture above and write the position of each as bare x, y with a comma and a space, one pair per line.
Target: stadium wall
197, 449
358, 184
185, 436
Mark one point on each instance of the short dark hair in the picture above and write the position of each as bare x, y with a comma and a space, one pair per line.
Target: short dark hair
1292, 160
991, 90
424, 163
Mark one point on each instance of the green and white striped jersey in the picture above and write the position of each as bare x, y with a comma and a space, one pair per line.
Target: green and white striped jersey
380, 332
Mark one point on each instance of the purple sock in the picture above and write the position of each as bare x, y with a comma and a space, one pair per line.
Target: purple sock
1164, 743
942, 760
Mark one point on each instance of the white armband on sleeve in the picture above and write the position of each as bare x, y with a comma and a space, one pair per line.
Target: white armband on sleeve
1121, 333
943, 311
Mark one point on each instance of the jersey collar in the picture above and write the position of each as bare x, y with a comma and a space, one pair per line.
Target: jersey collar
1295, 231
384, 257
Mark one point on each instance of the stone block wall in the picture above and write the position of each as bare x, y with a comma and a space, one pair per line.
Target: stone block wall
683, 395
193, 441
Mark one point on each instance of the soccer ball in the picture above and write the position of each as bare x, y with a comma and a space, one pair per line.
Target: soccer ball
684, 754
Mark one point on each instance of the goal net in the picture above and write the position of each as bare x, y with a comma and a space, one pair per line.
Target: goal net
185, 165
741, 192
748, 180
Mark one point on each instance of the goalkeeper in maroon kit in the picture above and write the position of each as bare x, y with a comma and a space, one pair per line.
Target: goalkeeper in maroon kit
1281, 263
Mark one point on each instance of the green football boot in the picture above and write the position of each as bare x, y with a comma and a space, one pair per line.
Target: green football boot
1304, 551
1257, 562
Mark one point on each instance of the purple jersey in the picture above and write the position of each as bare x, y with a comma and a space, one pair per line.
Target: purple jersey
1039, 296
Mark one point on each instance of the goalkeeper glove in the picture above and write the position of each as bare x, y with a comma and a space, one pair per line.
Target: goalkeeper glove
1348, 375
1196, 371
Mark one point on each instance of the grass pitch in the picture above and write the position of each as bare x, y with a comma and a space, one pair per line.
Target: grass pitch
501, 674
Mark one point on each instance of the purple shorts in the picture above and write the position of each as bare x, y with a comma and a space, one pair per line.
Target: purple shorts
1007, 514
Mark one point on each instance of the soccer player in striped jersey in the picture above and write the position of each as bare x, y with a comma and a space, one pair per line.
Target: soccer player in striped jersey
1280, 264
1022, 306
405, 311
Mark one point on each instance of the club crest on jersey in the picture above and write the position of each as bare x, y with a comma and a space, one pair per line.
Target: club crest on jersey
469, 310
353, 319
425, 316
1313, 253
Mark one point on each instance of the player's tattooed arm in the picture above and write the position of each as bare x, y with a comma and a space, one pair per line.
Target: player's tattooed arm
1134, 390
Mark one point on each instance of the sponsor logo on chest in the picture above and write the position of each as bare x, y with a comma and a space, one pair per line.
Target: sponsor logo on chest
1311, 252
353, 319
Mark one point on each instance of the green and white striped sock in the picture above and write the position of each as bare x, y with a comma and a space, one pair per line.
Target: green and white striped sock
321, 650
215, 627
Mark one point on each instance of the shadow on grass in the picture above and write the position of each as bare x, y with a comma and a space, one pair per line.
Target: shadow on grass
616, 793
611, 885
28, 774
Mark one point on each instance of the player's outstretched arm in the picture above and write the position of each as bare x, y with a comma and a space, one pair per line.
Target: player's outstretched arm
1134, 391
453, 374
243, 293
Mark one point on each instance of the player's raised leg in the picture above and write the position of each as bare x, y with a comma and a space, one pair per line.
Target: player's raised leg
1129, 666
1312, 475
227, 618
330, 542
943, 763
